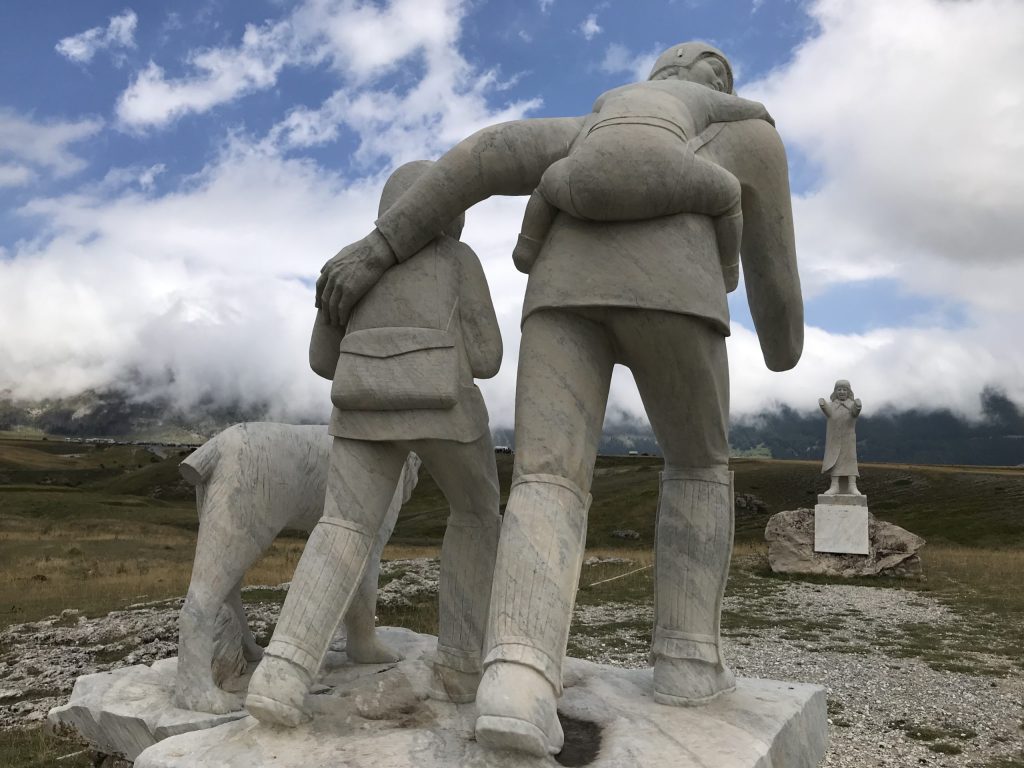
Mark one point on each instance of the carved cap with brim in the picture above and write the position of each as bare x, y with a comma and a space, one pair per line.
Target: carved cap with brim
685, 54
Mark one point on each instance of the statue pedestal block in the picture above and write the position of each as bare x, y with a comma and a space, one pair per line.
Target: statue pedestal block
841, 524
126, 710
378, 716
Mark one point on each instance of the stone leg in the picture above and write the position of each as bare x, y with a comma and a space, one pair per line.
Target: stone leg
536, 576
361, 642
833, 487
251, 650
360, 484
467, 475
223, 554
692, 550
682, 373
565, 366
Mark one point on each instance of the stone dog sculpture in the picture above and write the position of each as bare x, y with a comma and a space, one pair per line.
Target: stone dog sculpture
840, 459
645, 128
650, 294
402, 374
253, 480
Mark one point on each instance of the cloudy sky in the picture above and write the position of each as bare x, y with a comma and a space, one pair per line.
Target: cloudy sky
173, 176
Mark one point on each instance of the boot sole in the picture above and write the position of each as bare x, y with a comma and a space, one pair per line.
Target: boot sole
273, 712
511, 733
685, 701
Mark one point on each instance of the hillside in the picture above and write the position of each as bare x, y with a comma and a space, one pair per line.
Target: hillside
972, 506
995, 437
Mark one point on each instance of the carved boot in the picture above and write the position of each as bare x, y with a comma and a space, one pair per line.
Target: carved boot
693, 544
467, 569
325, 579
535, 579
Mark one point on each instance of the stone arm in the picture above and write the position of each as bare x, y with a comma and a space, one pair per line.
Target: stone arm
856, 408
726, 108
825, 406
480, 332
752, 150
325, 346
504, 159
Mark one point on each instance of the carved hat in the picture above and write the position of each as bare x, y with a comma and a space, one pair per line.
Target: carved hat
686, 54
404, 177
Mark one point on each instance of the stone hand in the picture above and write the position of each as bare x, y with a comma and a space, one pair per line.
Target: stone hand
821, 401
346, 278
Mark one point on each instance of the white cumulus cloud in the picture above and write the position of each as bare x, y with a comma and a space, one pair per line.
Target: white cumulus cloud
119, 33
589, 27
28, 146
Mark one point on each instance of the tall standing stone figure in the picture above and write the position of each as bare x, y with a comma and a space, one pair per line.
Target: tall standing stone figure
649, 293
840, 459
402, 372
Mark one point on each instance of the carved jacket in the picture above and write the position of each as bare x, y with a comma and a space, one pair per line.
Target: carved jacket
669, 264
415, 294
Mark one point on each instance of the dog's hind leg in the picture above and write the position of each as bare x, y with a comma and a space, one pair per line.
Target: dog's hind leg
251, 650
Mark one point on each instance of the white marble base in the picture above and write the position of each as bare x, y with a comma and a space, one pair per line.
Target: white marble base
124, 711
378, 716
841, 524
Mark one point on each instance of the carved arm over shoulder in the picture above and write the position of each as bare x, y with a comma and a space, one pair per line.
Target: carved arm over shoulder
504, 159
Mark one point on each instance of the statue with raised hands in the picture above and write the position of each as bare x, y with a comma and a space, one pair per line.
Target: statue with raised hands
841, 410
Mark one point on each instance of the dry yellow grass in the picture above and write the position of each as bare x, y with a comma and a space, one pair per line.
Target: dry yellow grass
47, 568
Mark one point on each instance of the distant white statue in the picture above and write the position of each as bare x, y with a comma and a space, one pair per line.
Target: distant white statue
841, 439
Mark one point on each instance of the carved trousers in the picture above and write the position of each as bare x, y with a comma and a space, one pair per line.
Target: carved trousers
565, 365
360, 484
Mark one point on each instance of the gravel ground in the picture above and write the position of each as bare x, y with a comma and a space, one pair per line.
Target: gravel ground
910, 681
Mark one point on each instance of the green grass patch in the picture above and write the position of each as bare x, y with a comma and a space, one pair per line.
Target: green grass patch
36, 748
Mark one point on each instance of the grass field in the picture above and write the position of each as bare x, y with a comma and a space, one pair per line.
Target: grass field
96, 528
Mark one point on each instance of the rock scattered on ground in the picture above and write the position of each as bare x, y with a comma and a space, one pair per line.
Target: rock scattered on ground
910, 681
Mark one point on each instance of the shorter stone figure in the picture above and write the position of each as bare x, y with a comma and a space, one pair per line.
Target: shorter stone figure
402, 372
632, 160
253, 480
841, 439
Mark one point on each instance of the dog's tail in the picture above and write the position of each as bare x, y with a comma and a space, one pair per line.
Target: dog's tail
198, 467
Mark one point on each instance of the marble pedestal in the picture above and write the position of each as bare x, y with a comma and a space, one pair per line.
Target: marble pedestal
126, 710
378, 716
841, 524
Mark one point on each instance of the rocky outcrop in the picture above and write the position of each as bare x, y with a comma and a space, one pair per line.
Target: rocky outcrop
790, 536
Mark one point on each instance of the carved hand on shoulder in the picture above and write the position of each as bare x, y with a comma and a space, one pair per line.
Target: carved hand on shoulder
346, 277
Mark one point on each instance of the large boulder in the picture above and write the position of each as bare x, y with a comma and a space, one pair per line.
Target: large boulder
790, 537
